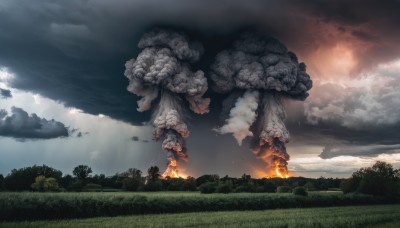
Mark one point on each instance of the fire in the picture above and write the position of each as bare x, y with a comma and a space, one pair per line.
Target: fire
279, 174
172, 170
281, 170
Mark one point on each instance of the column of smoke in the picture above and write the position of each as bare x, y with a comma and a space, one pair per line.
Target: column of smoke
163, 68
263, 71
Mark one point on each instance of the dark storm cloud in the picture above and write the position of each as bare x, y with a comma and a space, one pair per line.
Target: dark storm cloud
74, 51
331, 151
5, 93
369, 21
21, 125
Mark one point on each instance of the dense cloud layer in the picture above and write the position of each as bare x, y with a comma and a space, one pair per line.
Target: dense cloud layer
20, 125
331, 151
74, 52
5, 93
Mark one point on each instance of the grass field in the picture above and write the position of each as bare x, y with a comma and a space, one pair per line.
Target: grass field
52, 206
349, 216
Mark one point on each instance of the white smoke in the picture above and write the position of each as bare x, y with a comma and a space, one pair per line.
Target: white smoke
241, 117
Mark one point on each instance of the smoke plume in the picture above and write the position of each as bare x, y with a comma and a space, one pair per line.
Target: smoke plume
241, 117
263, 64
163, 68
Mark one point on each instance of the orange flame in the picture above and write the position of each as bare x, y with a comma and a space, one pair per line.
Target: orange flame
279, 174
171, 170
282, 173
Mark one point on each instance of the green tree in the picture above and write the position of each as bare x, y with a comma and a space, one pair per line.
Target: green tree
267, 186
207, 178
208, 187
82, 171
1, 182
309, 186
21, 179
153, 174
189, 184
380, 179
225, 187
131, 179
43, 184
300, 191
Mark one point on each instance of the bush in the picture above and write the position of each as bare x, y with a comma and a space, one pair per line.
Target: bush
225, 187
246, 187
283, 189
76, 186
43, 184
153, 186
131, 184
208, 187
300, 191
267, 186
90, 187
189, 184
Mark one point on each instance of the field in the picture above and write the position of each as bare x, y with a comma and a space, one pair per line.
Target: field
349, 216
52, 206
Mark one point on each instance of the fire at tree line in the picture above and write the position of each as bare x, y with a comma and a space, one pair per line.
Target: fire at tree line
380, 179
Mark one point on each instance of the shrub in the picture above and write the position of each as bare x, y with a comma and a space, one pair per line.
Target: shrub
300, 191
283, 189
246, 187
153, 186
76, 186
131, 184
225, 187
267, 186
91, 187
189, 184
43, 184
208, 187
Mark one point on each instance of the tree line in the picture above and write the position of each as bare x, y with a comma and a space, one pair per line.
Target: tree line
45, 178
380, 179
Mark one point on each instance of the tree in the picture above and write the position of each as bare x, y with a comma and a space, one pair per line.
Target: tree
207, 178
131, 179
225, 187
300, 191
380, 179
189, 184
208, 187
267, 186
82, 171
43, 184
21, 179
1, 182
309, 186
153, 174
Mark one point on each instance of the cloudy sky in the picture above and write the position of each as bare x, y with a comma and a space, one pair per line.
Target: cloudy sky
64, 102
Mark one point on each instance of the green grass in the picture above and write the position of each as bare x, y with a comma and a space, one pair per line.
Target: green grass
36, 206
350, 216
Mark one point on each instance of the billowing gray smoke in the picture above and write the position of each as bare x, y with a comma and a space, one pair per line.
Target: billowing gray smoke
163, 68
259, 63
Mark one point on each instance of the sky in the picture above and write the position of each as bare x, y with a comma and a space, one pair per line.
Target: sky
64, 98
